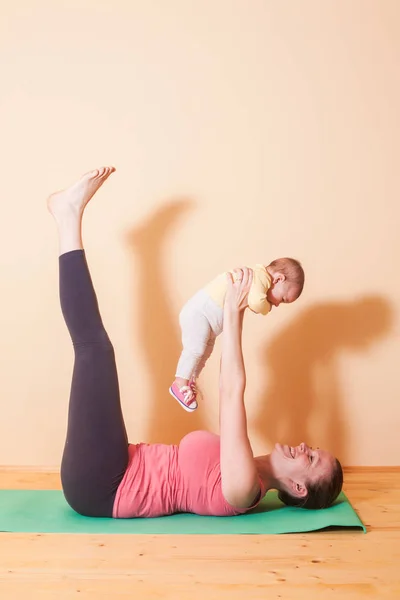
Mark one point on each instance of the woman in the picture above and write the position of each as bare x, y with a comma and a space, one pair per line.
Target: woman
105, 476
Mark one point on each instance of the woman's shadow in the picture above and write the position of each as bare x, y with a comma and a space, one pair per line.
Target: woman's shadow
302, 397
156, 323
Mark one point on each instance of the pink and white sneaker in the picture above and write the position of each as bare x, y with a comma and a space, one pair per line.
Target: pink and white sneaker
186, 395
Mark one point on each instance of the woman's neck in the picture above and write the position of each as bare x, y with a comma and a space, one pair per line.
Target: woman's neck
266, 472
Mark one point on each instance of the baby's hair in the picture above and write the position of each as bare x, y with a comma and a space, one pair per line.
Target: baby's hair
291, 269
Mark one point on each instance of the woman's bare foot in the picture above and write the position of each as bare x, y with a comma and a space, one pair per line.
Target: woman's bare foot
68, 205
73, 200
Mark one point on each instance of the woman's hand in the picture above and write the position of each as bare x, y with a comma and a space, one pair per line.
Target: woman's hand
236, 298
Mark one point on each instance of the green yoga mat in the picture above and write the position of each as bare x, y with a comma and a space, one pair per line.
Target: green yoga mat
45, 511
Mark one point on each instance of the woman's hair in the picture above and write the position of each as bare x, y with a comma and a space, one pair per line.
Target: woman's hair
321, 494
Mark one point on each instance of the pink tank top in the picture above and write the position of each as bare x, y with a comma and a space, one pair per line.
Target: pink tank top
161, 480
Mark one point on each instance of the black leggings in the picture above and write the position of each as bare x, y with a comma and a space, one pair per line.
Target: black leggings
96, 449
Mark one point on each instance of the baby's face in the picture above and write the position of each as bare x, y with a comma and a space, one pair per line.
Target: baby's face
282, 291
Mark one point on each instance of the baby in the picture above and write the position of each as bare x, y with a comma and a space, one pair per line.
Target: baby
201, 318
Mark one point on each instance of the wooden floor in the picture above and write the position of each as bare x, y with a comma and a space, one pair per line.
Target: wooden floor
336, 564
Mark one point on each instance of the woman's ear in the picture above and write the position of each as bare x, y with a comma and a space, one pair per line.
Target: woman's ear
298, 490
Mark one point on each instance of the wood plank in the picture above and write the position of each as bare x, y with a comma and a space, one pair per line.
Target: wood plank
293, 567
164, 566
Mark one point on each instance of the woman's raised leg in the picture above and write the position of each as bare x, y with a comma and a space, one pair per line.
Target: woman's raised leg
96, 449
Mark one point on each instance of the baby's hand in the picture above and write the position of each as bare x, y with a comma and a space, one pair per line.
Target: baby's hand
236, 298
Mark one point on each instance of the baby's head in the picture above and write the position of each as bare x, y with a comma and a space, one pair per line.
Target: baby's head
287, 281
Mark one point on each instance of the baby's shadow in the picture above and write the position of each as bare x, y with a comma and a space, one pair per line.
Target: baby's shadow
156, 323
302, 399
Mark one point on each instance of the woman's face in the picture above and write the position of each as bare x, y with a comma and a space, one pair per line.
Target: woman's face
297, 466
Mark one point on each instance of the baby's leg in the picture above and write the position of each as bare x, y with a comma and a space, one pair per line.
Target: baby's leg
196, 333
206, 355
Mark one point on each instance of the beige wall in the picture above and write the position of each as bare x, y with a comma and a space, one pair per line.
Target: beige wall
241, 131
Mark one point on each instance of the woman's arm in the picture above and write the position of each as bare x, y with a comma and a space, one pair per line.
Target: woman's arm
240, 484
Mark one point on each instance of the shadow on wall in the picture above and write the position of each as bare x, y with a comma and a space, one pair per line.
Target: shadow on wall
302, 399
156, 326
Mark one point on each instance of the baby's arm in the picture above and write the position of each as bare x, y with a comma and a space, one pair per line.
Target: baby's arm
258, 302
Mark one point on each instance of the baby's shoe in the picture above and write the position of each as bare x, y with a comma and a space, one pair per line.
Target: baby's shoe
185, 395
